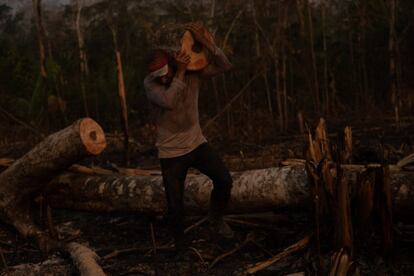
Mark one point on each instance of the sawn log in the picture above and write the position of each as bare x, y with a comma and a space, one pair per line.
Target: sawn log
253, 191
29, 175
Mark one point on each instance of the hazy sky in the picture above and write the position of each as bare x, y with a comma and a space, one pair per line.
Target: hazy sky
23, 3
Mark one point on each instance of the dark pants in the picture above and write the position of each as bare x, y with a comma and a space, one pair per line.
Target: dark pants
174, 171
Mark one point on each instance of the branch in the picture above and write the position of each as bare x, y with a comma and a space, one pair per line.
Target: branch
233, 23
17, 120
231, 101
291, 249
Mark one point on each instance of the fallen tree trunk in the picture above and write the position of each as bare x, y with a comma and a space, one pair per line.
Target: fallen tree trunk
28, 176
253, 191
256, 190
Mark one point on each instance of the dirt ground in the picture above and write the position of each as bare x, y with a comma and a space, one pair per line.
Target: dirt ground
256, 239
107, 233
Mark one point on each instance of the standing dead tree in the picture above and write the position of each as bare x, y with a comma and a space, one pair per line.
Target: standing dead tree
327, 98
48, 99
83, 60
313, 56
392, 51
121, 82
41, 37
278, 51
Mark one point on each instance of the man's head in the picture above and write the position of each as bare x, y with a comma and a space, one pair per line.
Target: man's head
159, 67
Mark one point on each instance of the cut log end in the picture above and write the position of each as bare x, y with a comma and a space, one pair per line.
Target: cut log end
92, 136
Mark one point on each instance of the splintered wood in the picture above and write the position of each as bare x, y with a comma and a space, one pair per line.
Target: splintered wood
333, 193
6, 162
344, 232
346, 153
341, 263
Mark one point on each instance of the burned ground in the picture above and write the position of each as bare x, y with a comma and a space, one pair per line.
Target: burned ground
125, 242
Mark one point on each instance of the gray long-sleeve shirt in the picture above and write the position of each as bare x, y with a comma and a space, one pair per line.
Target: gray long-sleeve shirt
178, 126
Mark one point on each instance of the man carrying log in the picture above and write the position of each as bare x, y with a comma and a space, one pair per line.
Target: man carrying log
173, 91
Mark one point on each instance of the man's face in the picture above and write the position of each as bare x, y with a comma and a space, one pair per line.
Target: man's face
167, 79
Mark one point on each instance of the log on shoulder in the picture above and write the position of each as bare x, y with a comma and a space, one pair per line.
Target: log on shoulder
28, 175
253, 191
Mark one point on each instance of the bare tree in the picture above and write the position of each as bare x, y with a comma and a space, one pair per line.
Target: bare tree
83, 61
392, 59
41, 36
327, 99
313, 57
121, 83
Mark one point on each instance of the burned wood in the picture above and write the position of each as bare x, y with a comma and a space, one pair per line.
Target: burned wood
347, 151
195, 225
384, 200
249, 238
406, 161
6, 162
76, 168
341, 263
149, 249
288, 251
250, 224
331, 188
265, 217
321, 180
3, 259
344, 228
21, 122
365, 202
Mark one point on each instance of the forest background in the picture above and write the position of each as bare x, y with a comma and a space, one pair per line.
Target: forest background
347, 60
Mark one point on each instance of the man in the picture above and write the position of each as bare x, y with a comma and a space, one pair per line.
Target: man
180, 142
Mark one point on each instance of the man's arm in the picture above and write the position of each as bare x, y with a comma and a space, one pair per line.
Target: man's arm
220, 62
166, 97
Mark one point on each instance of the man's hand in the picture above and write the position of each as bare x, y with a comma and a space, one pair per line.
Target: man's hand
197, 30
182, 59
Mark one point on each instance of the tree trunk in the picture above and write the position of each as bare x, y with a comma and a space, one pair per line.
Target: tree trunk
83, 61
363, 51
256, 190
37, 6
284, 53
121, 86
39, 102
392, 59
313, 56
123, 102
253, 191
28, 176
278, 56
325, 60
